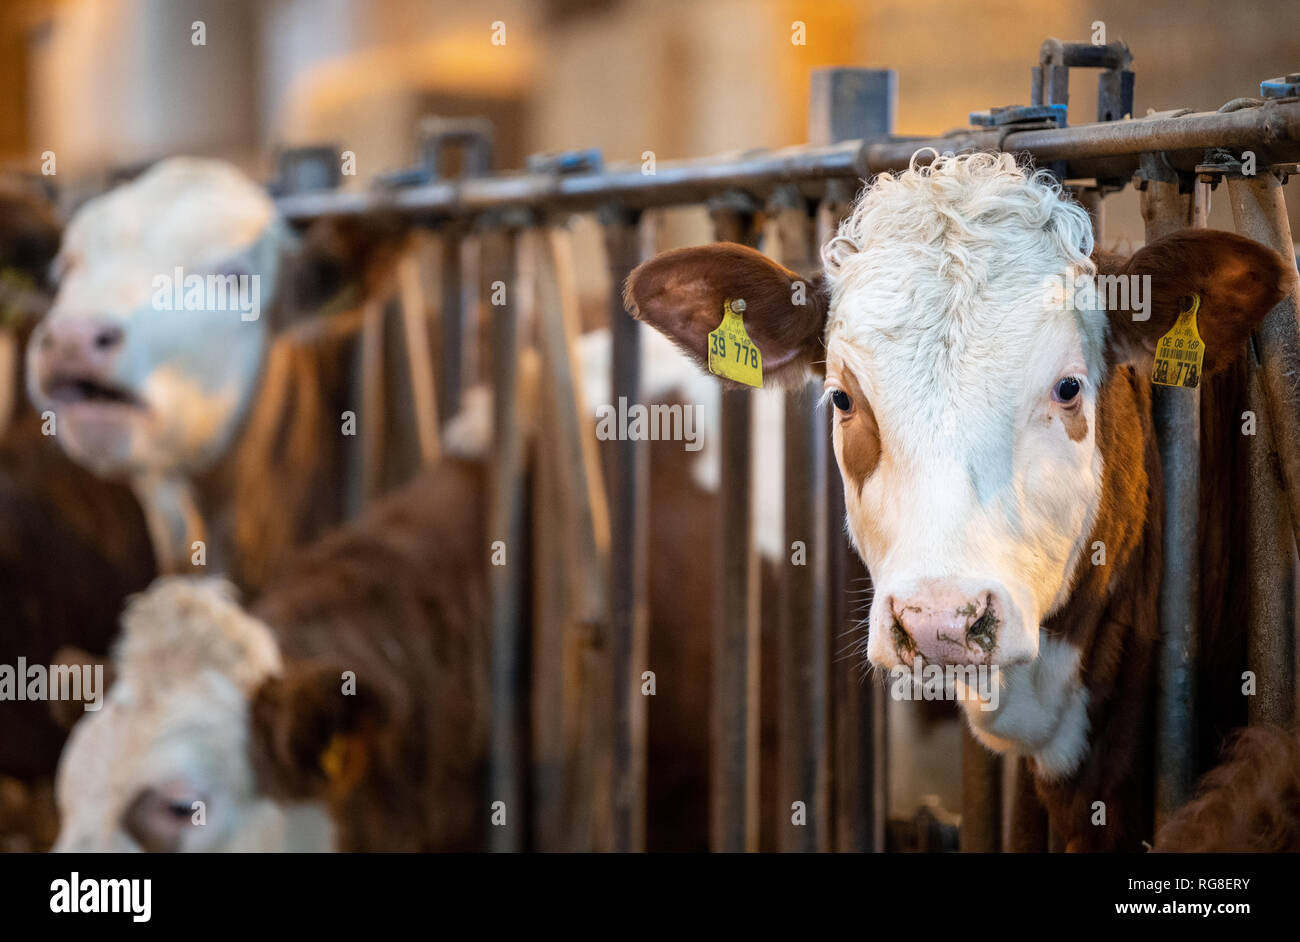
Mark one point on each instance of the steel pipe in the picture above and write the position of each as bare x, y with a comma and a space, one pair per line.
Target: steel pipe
733, 776
1109, 150
629, 503
1178, 433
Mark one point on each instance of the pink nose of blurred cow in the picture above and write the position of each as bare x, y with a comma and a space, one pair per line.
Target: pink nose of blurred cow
78, 345
946, 623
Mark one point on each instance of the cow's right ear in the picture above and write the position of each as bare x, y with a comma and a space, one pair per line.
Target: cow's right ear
681, 294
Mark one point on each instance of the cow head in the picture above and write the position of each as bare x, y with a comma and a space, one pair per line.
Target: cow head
206, 741
965, 370
152, 348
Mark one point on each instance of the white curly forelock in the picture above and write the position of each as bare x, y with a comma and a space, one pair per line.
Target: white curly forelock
974, 220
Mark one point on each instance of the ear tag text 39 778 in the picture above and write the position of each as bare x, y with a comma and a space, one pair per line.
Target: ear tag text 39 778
732, 355
1180, 354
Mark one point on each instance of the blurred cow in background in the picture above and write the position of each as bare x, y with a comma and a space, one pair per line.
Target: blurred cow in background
173, 359
226, 730
120, 388
72, 545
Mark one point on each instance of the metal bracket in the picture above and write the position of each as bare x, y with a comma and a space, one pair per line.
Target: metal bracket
1051, 77
1019, 114
436, 136
1219, 164
1284, 86
306, 169
588, 160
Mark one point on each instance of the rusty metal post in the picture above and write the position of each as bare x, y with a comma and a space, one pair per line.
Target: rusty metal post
1167, 208
981, 796
506, 582
1092, 199
629, 502
584, 553
804, 649
1270, 630
733, 776
1259, 212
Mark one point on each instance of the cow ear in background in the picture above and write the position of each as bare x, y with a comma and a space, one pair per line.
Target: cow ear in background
1238, 282
681, 294
66, 712
318, 728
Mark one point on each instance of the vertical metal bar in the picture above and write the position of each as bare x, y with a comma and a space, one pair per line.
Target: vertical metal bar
1090, 198
452, 324
981, 797
416, 336
629, 500
1178, 432
846, 104
371, 419
471, 297
506, 582
581, 487
1270, 636
1259, 212
733, 779
1028, 831
803, 644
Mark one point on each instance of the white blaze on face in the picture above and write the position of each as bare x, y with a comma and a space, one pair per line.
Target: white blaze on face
137, 382
977, 501
174, 731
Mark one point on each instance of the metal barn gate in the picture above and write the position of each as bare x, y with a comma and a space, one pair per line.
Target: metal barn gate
592, 628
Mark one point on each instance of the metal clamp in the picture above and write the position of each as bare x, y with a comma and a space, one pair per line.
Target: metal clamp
589, 160
1284, 86
306, 169
1051, 77
1054, 115
436, 137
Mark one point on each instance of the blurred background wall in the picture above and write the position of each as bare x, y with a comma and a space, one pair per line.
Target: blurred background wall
110, 84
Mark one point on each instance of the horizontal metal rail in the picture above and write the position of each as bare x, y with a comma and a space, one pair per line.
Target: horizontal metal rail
1109, 150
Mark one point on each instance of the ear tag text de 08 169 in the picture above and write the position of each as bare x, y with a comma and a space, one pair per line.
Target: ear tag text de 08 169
732, 355
1180, 354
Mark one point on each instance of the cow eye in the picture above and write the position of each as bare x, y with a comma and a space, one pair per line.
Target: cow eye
1066, 389
841, 400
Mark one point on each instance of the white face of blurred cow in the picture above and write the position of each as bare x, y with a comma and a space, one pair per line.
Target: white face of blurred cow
166, 764
965, 393
154, 343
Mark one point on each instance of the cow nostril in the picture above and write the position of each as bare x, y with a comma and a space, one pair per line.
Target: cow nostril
903, 643
983, 632
107, 337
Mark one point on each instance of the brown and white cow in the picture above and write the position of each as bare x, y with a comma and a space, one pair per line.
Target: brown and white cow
991, 429
173, 359
251, 713
141, 392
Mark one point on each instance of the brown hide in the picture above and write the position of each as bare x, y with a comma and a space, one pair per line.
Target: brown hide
400, 597
1249, 804
1114, 612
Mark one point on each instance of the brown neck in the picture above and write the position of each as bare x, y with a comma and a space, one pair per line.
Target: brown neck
1112, 620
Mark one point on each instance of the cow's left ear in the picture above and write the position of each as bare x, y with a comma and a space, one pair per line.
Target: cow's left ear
318, 727
1237, 280
681, 294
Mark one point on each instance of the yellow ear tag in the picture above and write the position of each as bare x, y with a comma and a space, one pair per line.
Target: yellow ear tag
333, 759
1180, 354
732, 354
